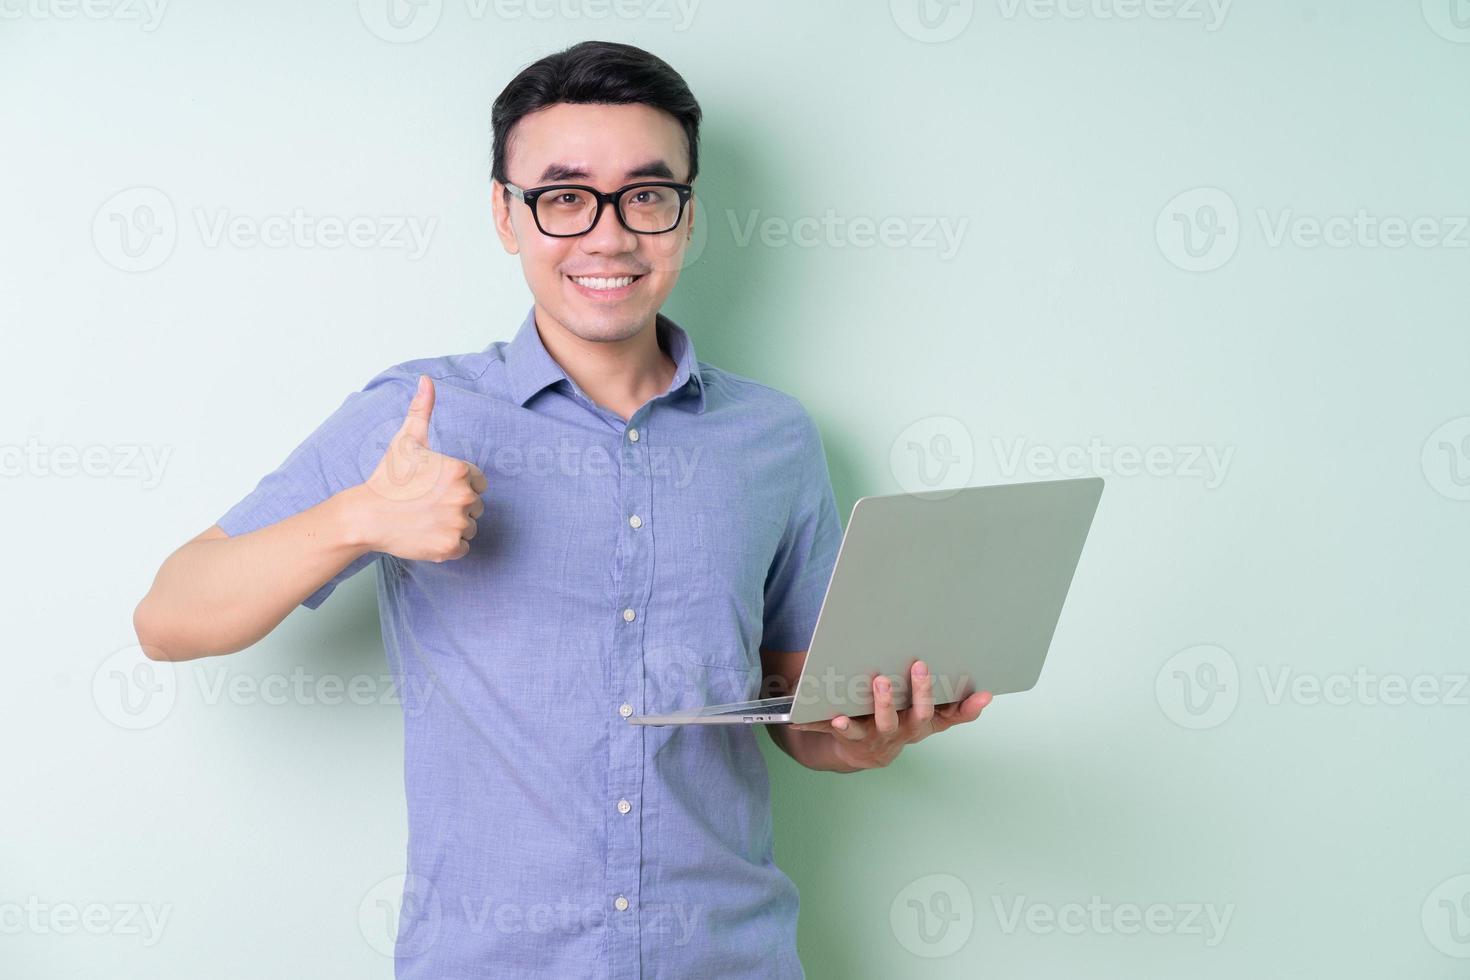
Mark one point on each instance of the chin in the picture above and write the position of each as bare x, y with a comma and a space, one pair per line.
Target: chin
604, 326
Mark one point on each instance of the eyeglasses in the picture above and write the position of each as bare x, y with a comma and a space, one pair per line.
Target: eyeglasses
651, 207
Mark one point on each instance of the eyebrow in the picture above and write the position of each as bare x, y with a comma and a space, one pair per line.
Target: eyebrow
571, 171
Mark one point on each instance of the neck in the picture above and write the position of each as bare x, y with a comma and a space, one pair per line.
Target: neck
620, 375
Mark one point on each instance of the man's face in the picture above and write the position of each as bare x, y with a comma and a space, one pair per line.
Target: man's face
606, 147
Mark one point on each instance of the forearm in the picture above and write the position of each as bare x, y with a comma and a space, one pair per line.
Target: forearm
219, 595
811, 749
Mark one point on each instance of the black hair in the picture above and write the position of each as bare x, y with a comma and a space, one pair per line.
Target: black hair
594, 72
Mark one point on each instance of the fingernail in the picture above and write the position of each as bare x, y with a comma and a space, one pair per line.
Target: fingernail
921, 669
840, 724
883, 684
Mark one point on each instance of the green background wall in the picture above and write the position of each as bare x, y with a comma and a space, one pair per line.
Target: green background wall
1215, 254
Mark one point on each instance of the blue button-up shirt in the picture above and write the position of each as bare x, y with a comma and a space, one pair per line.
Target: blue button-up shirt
621, 567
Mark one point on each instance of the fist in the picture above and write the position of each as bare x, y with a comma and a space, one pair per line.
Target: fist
423, 505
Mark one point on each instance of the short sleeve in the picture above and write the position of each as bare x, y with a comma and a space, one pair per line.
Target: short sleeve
797, 581
341, 453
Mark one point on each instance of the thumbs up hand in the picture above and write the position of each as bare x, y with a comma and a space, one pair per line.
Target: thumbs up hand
423, 505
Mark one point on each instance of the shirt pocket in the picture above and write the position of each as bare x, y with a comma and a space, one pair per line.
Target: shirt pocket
722, 562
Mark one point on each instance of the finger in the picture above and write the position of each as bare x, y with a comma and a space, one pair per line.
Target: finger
884, 716
968, 709
849, 728
470, 530
921, 707
478, 483
477, 508
416, 423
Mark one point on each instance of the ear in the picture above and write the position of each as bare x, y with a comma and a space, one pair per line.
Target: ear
500, 204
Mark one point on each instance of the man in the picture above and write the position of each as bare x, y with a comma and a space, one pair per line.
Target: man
570, 527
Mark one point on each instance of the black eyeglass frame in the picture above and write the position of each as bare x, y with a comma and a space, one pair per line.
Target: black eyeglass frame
529, 195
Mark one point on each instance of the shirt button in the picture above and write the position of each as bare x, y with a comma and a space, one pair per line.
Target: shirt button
635, 521
625, 710
628, 615
620, 903
632, 435
624, 806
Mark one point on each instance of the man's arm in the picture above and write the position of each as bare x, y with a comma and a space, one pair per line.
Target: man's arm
218, 594
814, 750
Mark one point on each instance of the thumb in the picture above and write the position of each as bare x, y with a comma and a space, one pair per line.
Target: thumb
416, 422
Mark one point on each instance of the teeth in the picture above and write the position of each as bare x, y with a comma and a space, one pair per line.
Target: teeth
592, 283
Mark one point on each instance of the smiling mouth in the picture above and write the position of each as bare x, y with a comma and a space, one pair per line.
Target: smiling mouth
604, 284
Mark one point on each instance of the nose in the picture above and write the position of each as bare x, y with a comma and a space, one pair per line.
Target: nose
608, 234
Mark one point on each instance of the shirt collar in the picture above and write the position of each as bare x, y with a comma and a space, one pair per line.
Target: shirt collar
530, 368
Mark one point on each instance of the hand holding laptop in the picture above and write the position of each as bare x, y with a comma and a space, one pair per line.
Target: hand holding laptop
877, 739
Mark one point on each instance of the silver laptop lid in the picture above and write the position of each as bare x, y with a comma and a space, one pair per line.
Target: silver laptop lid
971, 580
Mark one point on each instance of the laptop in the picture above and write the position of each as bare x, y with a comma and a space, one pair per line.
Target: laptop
971, 580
